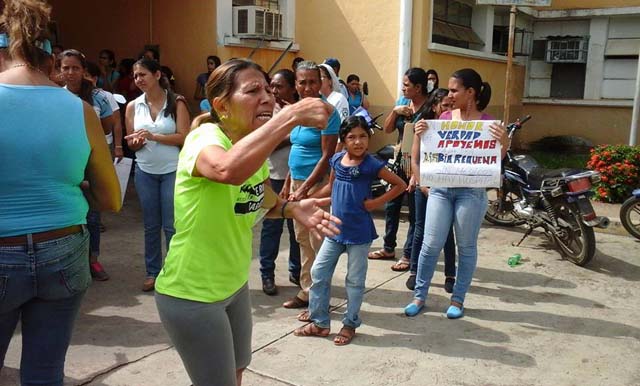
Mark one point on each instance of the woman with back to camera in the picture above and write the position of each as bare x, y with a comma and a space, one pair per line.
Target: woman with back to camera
462, 207
43, 238
157, 123
201, 293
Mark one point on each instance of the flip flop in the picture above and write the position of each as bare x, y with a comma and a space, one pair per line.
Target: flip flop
311, 330
401, 265
381, 254
345, 336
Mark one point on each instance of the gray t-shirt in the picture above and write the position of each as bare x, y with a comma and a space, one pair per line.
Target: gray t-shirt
279, 163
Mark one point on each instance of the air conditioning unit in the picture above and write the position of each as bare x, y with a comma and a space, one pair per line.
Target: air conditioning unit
567, 50
257, 22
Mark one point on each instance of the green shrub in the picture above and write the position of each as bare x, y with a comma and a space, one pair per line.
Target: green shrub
618, 166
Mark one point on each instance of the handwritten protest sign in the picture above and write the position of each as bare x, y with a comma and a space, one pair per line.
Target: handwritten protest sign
459, 154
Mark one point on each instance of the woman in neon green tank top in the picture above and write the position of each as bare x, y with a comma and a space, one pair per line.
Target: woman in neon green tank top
202, 293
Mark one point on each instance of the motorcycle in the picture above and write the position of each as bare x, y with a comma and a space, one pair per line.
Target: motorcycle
630, 214
556, 200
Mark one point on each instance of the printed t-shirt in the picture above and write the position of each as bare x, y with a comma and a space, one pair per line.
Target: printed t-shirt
306, 147
210, 254
351, 186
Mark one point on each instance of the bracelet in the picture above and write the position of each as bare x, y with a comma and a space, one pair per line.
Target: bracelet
118, 147
282, 209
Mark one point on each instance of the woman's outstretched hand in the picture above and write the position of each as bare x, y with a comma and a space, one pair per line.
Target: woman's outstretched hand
321, 223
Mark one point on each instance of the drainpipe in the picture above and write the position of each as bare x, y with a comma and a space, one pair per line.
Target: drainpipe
635, 117
404, 49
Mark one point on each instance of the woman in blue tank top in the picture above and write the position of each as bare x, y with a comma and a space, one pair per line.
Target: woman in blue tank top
44, 198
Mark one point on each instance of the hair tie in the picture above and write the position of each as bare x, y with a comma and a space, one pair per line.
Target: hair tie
4, 40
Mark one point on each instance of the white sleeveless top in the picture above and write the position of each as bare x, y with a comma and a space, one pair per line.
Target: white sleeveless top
155, 157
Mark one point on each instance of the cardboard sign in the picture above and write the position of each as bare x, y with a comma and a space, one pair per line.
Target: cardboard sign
459, 154
522, 3
123, 171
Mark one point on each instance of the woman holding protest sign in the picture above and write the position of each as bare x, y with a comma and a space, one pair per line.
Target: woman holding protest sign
464, 207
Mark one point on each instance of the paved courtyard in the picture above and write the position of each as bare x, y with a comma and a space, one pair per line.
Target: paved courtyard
545, 322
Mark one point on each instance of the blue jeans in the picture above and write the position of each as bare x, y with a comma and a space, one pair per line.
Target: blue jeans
465, 208
418, 236
42, 285
392, 222
270, 242
156, 198
322, 273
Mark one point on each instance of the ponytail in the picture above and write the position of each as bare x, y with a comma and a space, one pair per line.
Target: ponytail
25, 22
471, 79
484, 97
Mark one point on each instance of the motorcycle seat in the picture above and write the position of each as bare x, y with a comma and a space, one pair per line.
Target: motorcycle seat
537, 175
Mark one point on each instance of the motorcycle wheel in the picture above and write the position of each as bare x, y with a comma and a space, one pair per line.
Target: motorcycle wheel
501, 210
577, 242
630, 216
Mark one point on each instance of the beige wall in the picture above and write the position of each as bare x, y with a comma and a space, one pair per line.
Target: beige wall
600, 125
363, 35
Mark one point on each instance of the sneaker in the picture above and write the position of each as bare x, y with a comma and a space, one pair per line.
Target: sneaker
98, 272
269, 286
411, 282
448, 284
413, 309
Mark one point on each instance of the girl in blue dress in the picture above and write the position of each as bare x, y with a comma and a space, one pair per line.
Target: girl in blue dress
352, 172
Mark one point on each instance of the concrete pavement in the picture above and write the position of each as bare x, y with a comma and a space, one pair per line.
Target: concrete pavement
545, 322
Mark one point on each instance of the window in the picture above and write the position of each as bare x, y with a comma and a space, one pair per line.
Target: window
567, 80
567, 50
452, 24
521, 43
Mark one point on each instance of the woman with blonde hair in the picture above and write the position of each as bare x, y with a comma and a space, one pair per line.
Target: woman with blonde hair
45, 195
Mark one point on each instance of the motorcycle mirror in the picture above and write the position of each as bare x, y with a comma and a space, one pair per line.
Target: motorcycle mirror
365, 88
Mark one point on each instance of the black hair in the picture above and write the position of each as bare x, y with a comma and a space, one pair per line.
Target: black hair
58, 46
352, 77
471, 79
93, 69
434, 72
437, 95
351, 123
126, 66
111, 55
86, 87
418, 76
295, 62
168, 73
216, 60
153, 66
154, 53
290, 77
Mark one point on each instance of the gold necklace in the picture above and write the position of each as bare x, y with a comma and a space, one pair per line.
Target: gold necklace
27, 65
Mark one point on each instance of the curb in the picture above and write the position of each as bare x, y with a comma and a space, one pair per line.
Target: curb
615, 228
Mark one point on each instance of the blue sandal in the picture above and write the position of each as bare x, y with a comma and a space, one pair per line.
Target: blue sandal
455, 312
413, 309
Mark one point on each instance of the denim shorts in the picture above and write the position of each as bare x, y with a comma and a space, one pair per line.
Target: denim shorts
49, 270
